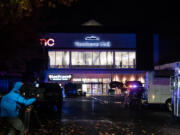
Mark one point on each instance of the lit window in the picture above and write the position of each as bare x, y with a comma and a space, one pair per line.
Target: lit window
51, 58
86, 80
81, 58
106, 80
109, 58
100, 79
78, 58
94, 80
74, 58
132, 61
96, 58
65, 59
88, 58
118, 60
59, 59
103, 58
125, 60
62, 59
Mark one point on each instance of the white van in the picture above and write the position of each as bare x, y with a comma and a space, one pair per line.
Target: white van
159, 90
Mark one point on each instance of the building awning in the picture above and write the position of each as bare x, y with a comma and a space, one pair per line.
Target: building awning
94, 71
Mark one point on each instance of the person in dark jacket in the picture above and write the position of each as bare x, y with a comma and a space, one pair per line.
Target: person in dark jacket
10, 106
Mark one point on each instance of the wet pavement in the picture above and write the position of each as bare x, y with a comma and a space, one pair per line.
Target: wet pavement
104, 115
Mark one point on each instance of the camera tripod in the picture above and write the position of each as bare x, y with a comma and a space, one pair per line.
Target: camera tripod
27, 118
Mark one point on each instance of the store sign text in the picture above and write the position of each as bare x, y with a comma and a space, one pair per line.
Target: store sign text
92, 42
55, 77
47, 42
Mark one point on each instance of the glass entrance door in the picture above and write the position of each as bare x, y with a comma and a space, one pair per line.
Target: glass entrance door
105, 88
93, 89
96, 89
86, 88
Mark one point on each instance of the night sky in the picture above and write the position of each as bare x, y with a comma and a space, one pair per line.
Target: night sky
157, 17
115, 16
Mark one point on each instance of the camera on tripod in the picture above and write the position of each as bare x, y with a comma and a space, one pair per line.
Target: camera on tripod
49, 93
32, 90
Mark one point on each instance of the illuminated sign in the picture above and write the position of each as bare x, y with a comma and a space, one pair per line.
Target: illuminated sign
47, 42
93, 42
56, 77
92, 38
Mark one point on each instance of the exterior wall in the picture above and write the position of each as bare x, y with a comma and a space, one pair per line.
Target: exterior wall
96, 80
141, 41
94, 42
95, 73
89, 40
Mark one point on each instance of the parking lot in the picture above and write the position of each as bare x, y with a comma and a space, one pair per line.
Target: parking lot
105, 115
110, 110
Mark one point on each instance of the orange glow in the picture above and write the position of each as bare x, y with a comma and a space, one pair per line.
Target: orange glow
123, 79
141, 79
114, 78
132, 78
117, 78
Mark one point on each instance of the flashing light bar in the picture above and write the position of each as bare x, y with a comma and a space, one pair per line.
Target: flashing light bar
133, 86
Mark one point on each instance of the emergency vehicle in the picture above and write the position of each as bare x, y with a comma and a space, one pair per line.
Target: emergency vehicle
158, 88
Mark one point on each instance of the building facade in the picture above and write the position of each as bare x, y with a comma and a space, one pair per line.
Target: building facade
92, 60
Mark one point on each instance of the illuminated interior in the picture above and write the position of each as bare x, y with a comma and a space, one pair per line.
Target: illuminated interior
95, 89
92, 59
59, 59
129, 77
125, 59
94, 86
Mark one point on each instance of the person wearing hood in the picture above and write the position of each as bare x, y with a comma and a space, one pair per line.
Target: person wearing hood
10, 106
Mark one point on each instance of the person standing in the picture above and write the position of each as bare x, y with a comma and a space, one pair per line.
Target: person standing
11, 104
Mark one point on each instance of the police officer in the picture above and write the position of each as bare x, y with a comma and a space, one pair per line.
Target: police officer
10, 106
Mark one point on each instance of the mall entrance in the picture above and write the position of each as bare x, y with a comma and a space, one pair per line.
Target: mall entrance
93, 84
95, 88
